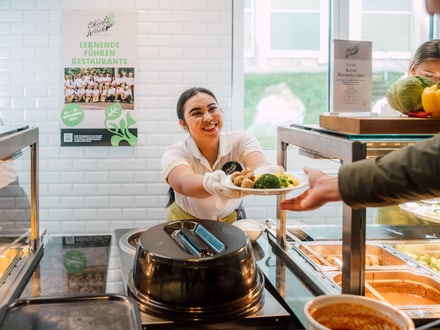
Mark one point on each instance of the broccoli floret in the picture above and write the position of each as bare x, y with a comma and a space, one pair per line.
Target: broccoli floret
267, 181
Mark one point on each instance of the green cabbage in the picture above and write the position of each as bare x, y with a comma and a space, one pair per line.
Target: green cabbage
405, 95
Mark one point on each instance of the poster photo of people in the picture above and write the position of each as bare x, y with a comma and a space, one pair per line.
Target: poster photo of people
98, 88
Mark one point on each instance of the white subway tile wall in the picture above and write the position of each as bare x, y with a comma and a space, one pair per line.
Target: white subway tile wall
181, 43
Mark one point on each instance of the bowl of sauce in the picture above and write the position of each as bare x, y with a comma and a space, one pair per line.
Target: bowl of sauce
352, 312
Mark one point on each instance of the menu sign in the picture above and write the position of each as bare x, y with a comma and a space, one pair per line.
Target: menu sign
98, 57
352, 72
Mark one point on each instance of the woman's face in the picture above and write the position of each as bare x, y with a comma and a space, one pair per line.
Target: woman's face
429, 69
203, 117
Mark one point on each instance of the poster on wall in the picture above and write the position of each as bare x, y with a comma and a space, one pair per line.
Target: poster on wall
98, 58
352, 72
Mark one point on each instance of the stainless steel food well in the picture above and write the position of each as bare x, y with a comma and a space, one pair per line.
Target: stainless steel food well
325, 256
425, 254
414, 292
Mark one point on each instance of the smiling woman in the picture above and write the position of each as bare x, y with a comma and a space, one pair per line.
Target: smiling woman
195, 168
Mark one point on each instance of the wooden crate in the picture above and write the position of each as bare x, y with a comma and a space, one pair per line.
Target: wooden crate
379, 125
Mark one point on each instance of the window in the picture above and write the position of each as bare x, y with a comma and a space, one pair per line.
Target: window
288, 22
375, 17
286, 53
249, 28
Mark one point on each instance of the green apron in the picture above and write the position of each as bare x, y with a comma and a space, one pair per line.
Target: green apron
176, 213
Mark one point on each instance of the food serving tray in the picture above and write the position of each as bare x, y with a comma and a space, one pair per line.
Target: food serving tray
327, 256
101, 312
427, 255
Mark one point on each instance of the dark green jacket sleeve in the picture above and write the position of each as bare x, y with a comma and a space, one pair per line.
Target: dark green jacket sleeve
410, 173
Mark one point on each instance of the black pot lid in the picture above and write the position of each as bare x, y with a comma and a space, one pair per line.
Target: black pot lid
192, 239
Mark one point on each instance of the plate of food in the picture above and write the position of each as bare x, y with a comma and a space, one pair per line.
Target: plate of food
426, 209
266, 183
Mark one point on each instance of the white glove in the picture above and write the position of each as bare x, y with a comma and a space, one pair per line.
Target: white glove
212, 183
275, 169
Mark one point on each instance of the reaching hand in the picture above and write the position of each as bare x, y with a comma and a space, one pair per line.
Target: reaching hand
212, 184
323, 188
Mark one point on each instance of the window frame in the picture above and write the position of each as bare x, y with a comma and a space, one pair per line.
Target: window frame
339, 11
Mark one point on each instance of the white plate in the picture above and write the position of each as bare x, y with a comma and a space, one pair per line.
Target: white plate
426, 211
254, 191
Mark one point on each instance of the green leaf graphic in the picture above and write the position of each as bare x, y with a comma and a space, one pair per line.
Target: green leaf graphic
113, 111
119, 126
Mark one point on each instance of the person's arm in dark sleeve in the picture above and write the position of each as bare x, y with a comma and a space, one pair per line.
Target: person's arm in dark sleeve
410, 173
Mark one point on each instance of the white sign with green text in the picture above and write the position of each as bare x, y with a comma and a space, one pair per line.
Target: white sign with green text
351, 76
98, 58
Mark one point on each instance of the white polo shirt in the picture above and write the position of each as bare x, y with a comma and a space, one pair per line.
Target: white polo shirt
234, 146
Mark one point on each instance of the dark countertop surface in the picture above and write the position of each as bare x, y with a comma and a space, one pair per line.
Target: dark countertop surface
71, 265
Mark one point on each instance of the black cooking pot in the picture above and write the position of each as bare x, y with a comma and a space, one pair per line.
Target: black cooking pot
198, 270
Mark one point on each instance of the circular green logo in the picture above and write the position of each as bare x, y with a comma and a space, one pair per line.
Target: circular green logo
75, 262
72, 114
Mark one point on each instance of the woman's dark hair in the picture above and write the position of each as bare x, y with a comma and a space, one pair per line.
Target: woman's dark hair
171, 197
186, 95
180, 108
429, 50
